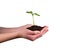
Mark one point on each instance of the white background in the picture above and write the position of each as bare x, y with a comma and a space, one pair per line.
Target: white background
13, 14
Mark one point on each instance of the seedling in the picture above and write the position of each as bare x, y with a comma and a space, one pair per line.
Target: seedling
30, 12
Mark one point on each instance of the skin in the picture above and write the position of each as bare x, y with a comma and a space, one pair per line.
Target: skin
20, 32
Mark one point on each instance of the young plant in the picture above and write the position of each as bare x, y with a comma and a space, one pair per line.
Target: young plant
30, 12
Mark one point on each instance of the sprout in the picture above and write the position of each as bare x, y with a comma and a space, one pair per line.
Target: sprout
30, 12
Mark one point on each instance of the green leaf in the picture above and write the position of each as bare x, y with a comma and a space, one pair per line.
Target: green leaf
29, 12
36, 14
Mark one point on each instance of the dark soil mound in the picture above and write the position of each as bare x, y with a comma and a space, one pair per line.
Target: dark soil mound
35, 27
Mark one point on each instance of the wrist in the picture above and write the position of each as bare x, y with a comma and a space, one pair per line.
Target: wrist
19, 33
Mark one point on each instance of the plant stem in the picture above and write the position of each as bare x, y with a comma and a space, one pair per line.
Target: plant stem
33, 19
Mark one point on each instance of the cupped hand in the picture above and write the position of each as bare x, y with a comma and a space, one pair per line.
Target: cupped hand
23, 32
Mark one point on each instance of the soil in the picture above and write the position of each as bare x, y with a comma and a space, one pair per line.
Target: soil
35, 27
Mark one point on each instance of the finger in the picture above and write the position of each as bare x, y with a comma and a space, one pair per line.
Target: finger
42, 33
36, 37
39, 35
33, 37
29, 32
33, 32
37, 32
45, 27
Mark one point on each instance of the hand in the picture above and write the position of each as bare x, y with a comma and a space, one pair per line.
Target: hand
23, 32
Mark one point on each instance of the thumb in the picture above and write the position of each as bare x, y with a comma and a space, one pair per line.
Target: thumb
37, 32
31, 32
